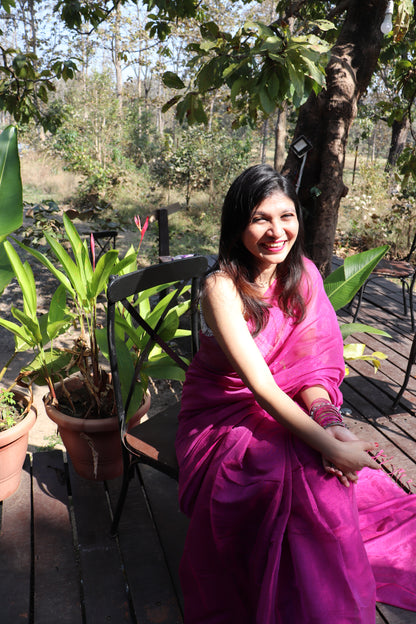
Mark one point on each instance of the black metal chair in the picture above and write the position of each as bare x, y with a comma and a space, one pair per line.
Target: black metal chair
411, 361
403, 270
153, 441
104, 241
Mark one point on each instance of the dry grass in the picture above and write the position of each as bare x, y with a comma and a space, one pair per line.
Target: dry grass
45, 178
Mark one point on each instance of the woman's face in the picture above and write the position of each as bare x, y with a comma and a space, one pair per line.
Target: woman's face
272, 230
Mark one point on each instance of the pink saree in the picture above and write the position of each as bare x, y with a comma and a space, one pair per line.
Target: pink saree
272, 538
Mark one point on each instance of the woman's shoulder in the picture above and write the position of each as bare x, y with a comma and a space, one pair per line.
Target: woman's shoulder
218, 282
220, 293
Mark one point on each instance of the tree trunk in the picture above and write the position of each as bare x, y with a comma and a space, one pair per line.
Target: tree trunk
117, 61
326, 120
280, 133
264, 141
399, 132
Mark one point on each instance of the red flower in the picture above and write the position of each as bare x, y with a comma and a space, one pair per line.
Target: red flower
141, 229
92, 247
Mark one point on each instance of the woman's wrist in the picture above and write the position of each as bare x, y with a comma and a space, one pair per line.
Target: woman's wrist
323, 412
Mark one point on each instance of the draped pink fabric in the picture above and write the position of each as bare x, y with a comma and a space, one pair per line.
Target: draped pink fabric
272, 538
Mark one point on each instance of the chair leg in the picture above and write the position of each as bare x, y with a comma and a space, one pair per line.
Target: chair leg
127, 471
404, 285
412, 360
357, 309
412, 312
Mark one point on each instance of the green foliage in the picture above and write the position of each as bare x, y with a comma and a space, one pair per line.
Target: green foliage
10, 411
202, 159
24, 88
143, 143
261, 65
89, 138
378, 209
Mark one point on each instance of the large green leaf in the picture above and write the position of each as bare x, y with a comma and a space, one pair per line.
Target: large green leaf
11, 202
126, 371
162, 366
30, 325
71, 273
25, 278
6, 271
54, 360
103, 270
80, 252
23, 338
343, 283
347, 329
60, 276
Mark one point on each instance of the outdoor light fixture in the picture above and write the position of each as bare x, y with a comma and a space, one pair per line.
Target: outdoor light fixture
301, 147
387, 25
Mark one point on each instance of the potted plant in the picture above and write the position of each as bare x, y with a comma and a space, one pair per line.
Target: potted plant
17, 417
80, 393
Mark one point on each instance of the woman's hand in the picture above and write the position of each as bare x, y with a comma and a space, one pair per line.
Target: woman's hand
351, 456
344, 435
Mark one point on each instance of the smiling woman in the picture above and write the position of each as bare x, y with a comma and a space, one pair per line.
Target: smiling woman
267, 469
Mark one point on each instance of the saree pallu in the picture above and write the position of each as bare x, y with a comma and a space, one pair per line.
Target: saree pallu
272, 538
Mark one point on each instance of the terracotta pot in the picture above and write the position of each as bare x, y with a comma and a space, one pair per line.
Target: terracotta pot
13, 448
94, 444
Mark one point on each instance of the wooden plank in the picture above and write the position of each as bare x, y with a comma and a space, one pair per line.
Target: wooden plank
172, 524
379, 389
56, 582
150, 585
394, 615
16, 553
104, 587
379, 617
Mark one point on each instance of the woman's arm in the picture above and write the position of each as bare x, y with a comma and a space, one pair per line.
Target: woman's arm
222, 308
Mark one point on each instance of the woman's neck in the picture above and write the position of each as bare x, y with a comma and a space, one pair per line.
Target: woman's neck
265, 278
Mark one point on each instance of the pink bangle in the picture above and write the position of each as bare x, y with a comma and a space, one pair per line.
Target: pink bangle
325, 413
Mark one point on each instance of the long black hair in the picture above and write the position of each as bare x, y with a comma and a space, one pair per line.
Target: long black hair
244, 195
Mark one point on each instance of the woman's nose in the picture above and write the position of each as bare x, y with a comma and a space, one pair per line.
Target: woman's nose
275, 229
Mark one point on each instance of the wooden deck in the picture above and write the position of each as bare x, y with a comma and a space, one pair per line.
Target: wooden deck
59, 563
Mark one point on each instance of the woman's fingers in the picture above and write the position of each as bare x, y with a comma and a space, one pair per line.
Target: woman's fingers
336, 472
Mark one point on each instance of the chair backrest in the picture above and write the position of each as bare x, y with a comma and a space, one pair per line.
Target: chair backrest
144, 334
